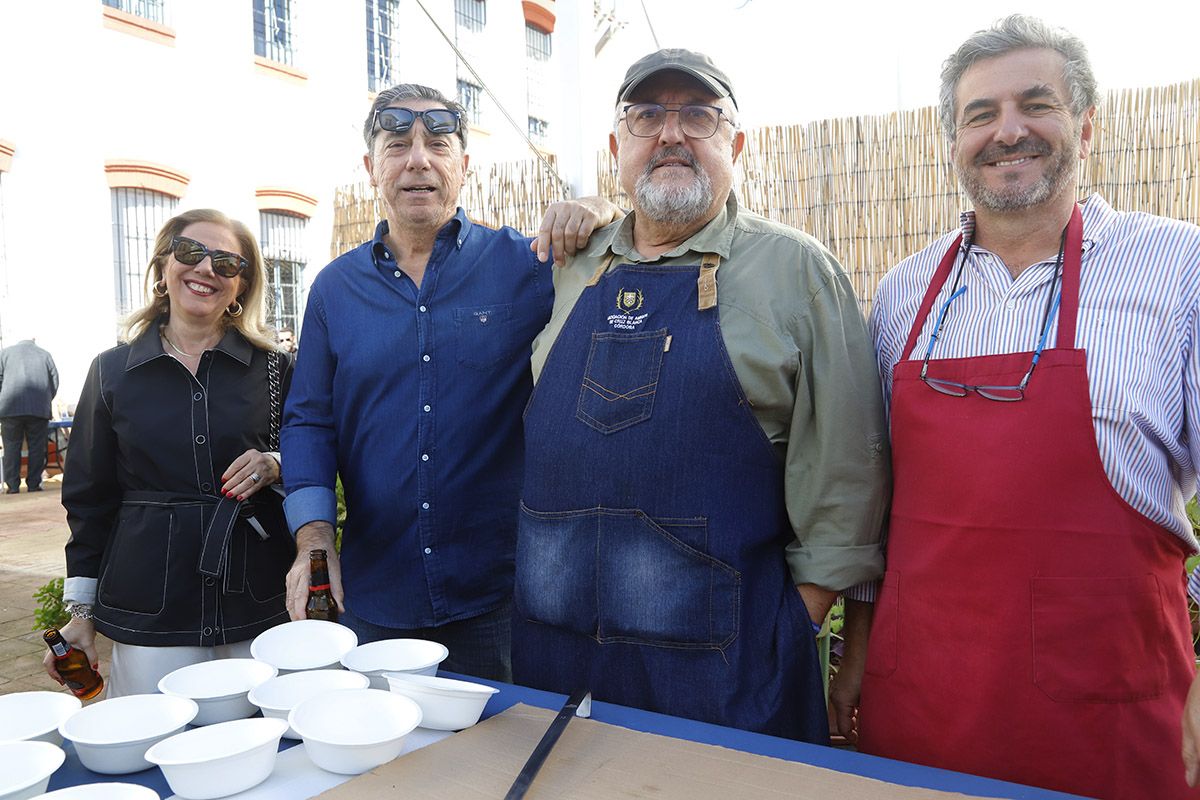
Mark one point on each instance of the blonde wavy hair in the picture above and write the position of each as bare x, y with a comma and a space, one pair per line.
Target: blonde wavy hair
251, 323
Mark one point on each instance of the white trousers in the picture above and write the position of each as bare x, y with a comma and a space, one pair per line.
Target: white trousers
137, 669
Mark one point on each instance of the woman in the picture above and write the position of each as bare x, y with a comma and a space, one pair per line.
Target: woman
178, 547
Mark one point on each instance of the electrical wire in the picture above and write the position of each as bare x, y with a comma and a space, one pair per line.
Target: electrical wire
650, 25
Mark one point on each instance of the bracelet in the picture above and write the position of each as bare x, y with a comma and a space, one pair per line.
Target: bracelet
80, 610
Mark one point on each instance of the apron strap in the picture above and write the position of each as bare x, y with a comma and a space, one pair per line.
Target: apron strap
605, 263
935, 286
1068, 310
706, 283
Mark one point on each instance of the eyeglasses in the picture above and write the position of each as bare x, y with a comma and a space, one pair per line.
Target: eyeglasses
645, 120
190, 252
401, 120
1003, 394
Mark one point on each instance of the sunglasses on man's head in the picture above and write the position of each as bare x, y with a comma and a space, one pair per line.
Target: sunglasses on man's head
190, 252
401, 120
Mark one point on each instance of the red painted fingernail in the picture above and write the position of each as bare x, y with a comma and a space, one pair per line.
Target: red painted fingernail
241, 497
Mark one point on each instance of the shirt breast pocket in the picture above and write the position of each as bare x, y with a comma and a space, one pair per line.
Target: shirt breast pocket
621, 379
483, 335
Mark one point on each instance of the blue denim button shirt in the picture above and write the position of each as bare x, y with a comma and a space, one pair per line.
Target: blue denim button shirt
413, 395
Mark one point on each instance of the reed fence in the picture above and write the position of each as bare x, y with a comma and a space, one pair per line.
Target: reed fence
876, 188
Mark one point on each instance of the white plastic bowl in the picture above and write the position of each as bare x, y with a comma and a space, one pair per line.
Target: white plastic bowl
221, 759
350, 731
102, 791
35, 716
278, 696
26, 767
446, 704
418, 656
304, 644
111, 737
218, 687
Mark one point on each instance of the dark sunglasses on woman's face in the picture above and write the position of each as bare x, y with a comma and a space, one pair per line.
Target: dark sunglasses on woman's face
400, 120
190, 252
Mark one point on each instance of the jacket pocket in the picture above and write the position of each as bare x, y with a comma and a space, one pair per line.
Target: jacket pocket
882, 649
483, 335
619, 576
134, 575
1098, 640
621, 379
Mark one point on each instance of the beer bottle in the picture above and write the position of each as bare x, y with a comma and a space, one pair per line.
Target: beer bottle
73, 667
321, 604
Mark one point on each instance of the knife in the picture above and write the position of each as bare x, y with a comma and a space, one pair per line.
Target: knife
578, 704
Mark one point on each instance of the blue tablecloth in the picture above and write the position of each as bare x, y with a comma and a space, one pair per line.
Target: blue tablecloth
73, 772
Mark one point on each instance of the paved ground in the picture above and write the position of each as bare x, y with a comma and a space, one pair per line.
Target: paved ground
33, 530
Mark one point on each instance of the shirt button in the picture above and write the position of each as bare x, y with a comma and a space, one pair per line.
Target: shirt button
197, 397
396, 273
387, 254
1010, 305
422, 309
428, 551
204, 487
200, 439
424, 456
425, 506
425, 357
207, 631
209, 581
428, 408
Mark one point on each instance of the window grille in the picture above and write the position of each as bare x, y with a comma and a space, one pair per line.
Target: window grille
537, 71
470, 14
153, 10
282, 242
381, 44
539, 130
470, 96
3, 253
137, 216
537, 43
274, 35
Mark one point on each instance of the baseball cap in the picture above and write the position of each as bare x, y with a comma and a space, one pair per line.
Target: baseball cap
698, 65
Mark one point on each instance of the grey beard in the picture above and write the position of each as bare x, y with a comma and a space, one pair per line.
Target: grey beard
1062, 170
678, 205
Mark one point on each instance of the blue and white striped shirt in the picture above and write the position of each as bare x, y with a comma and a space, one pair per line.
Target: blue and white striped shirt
1139, 320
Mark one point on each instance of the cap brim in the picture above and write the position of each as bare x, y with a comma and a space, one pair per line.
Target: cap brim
716, 87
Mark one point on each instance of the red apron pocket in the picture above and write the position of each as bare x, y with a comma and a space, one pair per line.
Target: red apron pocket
1098, 640
882, 647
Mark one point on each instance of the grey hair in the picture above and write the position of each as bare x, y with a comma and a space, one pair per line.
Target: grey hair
412, 91
1019, 32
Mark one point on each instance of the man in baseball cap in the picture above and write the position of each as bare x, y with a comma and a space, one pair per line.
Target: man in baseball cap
706, 464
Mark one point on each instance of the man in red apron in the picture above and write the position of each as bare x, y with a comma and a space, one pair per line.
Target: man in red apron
1042, 370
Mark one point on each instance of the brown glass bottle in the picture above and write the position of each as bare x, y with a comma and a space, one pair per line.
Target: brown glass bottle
73, 667
321, 604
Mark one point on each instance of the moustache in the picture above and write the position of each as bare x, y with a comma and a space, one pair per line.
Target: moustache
1029, 146
672, 153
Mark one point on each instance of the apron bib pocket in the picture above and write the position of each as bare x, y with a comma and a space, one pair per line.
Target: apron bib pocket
620, 379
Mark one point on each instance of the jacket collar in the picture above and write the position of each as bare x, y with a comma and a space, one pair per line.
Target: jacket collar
148, 346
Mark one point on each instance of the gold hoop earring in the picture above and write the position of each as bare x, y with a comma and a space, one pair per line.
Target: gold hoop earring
160, 288
231, 311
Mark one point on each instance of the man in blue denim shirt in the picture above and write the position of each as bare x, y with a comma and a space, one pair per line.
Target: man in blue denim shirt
410, 386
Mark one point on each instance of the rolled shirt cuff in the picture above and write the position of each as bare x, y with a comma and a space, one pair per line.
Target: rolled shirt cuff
80, 590
310, 504
863, 592
834, 568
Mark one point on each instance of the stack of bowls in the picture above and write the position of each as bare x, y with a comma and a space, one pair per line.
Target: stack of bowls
304, 644
221, 759
418, 656
278, 696
350, 731
35, 716
111, 737
220, 687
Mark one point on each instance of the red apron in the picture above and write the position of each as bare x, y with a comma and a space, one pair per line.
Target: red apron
1032, 626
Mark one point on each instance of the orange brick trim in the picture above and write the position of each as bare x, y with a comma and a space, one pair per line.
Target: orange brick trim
6, 155
128, 174
539, 14
276, 199
118, 20
277, 69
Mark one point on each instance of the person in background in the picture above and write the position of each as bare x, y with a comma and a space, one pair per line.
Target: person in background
1043, 375
706, 459
287, 339
179, 547
28, 383
410, 388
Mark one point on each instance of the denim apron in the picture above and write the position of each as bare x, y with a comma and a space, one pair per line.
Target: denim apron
650, 551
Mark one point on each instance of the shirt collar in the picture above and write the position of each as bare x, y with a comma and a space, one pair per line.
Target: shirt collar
1098, 219
714, 237
459, 228
148, 346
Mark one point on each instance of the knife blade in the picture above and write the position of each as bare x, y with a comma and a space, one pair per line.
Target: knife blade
578, 704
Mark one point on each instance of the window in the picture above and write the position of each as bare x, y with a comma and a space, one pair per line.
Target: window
539, 130
137, 215
470, 14
282, 239
537, 44
381, 46
471, 98
273, 30
147, 9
